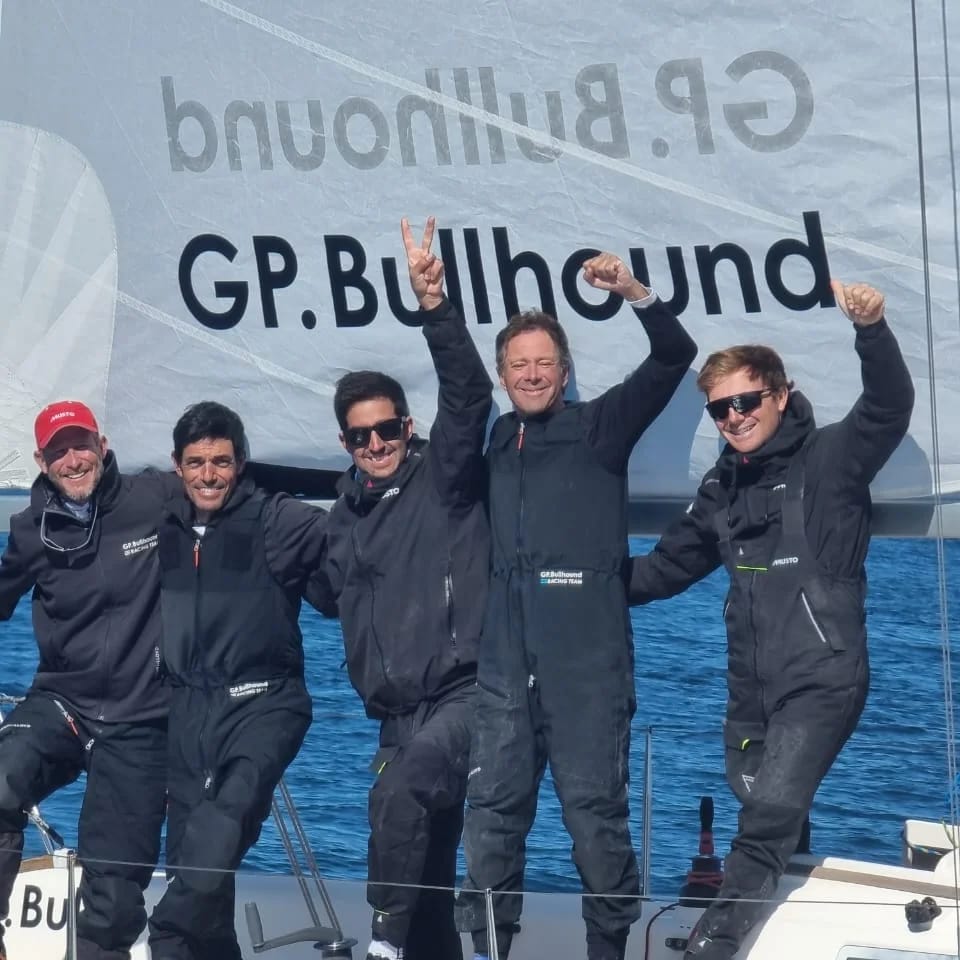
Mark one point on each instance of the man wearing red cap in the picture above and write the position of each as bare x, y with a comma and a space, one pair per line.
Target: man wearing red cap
86, 546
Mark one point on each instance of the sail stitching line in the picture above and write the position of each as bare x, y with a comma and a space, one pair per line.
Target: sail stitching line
218, 343
574, 150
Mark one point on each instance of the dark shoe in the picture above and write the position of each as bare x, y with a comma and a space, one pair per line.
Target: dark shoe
88, 950
381, 956
607, 946
504, 939
708, 943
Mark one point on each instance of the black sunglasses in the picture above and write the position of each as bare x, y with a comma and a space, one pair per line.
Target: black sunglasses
387, 430
741, 402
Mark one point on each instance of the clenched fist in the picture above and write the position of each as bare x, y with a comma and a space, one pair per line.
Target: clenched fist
607, 271
859, 302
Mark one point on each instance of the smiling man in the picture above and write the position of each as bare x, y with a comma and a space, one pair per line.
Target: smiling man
786, 510
234, 563
555, 677
406, 570
86, 547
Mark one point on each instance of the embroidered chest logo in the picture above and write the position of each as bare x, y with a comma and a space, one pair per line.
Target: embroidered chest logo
561, 578
250, 689
132, 547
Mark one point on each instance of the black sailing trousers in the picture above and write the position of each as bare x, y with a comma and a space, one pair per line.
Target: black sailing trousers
416, 818
45, 745
227, 755
774, 773
583, 730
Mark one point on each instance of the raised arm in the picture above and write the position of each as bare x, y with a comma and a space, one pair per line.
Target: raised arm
867, 436
619, 416
686, 553
466, 391
309, 482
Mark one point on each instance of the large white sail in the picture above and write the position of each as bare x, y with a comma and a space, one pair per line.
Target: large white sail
201, 199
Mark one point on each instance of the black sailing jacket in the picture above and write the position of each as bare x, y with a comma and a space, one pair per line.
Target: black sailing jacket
780, 607
407, 567
558, 500
95, 608
231, 598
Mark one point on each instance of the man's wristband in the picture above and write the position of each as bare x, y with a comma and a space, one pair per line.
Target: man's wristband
644, 302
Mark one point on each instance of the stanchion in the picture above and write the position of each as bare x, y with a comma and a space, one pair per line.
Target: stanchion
647, 826
329, 940
71, 905
493, 951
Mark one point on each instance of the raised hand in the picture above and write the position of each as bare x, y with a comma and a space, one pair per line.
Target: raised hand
426, 269
859, 302
607, 271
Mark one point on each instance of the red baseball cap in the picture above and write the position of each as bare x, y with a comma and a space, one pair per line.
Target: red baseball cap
57, 416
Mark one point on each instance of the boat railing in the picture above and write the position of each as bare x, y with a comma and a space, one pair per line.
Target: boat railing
325, 930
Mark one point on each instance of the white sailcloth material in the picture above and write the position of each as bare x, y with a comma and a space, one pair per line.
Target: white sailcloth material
201, 198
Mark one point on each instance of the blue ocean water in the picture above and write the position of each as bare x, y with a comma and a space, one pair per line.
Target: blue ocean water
893, 768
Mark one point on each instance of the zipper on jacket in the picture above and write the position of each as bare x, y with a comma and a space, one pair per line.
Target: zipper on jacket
105, 686
358, 553
756, 640
521, 505
197, 593
813, 619
451, 619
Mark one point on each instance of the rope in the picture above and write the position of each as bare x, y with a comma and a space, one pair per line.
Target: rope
943, 603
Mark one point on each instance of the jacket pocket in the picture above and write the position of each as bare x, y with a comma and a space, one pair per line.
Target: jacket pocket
829, 638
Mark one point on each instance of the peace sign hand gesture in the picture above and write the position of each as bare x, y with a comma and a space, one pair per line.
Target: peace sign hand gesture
426, 269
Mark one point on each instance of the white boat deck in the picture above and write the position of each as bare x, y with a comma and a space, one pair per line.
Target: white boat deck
827, 907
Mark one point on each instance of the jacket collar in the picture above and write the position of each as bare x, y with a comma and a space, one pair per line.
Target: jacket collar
363, 491
179, 506
548, 425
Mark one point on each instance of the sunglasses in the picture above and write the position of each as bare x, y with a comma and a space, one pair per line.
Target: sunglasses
46, 540
741, 402
387, 430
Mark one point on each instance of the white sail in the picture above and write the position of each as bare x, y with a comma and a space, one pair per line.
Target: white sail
201, 199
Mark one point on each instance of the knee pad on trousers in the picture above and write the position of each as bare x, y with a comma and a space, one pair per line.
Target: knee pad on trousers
10, 800
12, 817
246, 794
11, 848
212, 840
